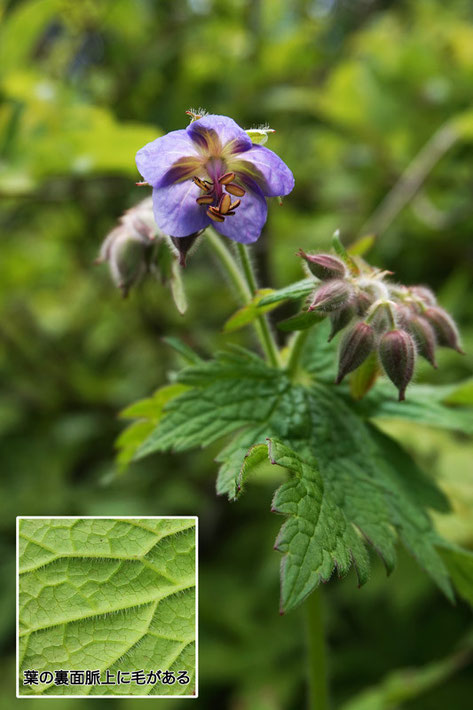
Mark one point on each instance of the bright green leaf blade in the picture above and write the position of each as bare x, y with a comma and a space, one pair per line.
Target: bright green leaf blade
364, 377
362, 245
317, 537
297, 290
301, 321
107, 594
189, 355
250, 312
459, 563
424, 404
462, 394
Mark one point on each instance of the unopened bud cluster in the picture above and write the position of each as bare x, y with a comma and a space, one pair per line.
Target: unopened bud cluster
396, 322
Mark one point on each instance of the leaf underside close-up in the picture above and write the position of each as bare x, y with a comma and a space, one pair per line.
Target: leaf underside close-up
350, 487
107, 594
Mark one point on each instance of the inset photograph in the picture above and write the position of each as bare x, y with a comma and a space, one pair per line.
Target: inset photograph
107, 606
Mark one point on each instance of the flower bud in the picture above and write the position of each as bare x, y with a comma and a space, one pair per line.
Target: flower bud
381, 316
340, 319
424, 337
398, 355
362, 302
331, 296
444, 327
324, 266
356, 345
184, 244
128, 256
424, 294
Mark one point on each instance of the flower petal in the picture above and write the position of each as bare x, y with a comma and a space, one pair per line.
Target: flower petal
176, 211
267, 169
214, 134
246, 224
156, 159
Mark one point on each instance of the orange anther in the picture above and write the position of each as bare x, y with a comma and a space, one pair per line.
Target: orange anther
215, 215
224, 204
225, 179
235, 189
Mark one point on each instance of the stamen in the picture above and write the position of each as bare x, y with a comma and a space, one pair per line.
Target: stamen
205, 200
235, 204
235, 189
225, 179
224, 204
203, 184
215, 215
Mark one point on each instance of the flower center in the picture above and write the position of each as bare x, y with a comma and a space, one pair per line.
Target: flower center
216, 194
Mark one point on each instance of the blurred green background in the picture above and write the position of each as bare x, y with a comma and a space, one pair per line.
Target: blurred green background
359, 91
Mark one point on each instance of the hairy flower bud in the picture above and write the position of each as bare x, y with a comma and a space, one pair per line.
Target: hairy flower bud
128, 258
356, 345
339, 319
331, 296
184, 245
424, 294
445, 329
128, 247
381, 316
324, 266
398, 355
363, 301
424, 337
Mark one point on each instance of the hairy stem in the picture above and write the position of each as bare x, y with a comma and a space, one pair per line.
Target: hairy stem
317, 671
267, 338
245, 285
229, 264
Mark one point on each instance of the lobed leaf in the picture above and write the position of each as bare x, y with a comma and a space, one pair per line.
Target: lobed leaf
342, 464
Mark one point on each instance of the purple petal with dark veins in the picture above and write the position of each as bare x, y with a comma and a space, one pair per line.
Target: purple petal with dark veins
246, 224
155, 159
267, 169
176, 211
215, 133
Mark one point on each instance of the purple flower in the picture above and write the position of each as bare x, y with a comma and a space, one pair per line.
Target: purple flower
211, 173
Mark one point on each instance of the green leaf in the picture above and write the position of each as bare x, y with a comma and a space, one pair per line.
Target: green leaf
364, 377
189, 355
317, 537
299, 289
301, 321
362, 245
248, 313
107, 594
424, 404
148, 412
459, 563
376, 485
462, 394
340, 250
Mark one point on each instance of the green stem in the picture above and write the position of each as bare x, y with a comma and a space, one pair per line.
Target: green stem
266, 337
317, 670
295, 352
229, 264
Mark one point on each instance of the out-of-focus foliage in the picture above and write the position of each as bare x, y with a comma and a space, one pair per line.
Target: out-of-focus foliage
355, 90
